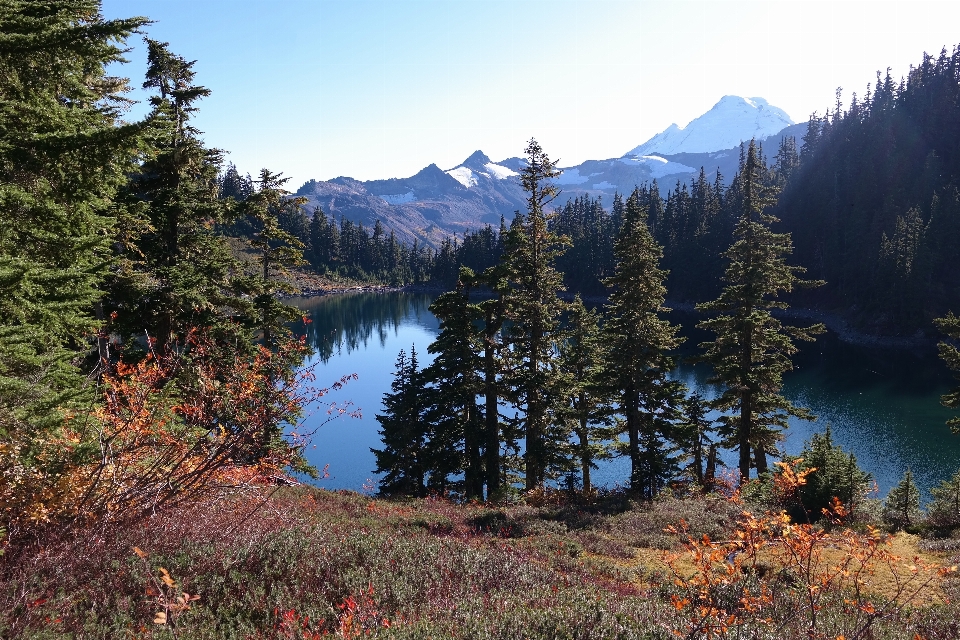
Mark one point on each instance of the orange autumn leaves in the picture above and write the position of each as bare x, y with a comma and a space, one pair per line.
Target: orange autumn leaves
170, 428
782, 575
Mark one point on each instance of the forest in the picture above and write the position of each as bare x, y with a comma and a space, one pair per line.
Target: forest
878, 233
153, 481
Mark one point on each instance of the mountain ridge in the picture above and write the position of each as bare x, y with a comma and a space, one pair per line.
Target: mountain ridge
435, 203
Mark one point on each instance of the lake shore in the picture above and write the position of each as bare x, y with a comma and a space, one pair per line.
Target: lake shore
311, 284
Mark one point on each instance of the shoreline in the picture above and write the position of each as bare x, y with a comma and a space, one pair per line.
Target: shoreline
838, 325
832, 321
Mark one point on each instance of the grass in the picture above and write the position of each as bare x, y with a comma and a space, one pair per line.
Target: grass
309, 562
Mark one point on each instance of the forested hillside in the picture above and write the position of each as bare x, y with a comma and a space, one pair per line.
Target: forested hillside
874, 206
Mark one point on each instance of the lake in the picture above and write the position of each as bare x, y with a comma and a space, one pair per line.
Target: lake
882, 404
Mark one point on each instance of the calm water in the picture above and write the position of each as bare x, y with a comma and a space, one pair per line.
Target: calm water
883, 405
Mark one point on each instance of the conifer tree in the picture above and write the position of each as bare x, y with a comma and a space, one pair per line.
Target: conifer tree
950, 354
752, 349
454, 377
279, 251
180, 270
836, 475
639, 341
693, 437
403, 431
493, 314
902, 506
534, 311
582, 360
944, 511
64, 152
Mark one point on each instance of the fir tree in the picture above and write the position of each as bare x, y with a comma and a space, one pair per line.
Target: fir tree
493, 313
64, 152
752, 349
950, 354
639, 341
902, 506
582, 360
693, 436
455, 383
944, 511
403, 431
180, 271
836, 475
278, 249
534, 310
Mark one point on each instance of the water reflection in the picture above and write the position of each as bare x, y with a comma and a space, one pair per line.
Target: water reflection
349, 321
882, 404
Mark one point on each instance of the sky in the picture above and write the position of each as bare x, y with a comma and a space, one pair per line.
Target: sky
372, 89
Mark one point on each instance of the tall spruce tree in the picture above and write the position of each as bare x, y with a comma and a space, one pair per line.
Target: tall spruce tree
950, 354
493, 313
639, 341
63, 154
752, 349
278, 250
403, 431
583, 357
180, 269
534, 311
455, 381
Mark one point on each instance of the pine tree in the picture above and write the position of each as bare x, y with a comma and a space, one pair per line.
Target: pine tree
639, 341
454, 377
534, 311
752, 349
944, 511
950, 354
403, 431
180, 273
64, 152
902, 506
582, 360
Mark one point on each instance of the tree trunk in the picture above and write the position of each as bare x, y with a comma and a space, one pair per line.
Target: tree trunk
492, 410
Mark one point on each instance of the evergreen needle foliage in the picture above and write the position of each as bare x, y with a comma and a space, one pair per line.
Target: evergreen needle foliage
639, 342
752, 349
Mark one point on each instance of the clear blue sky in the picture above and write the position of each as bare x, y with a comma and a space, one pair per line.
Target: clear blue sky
382, 88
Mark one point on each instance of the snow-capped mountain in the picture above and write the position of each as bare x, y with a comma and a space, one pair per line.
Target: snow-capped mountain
434, 203
479, 167
728, 123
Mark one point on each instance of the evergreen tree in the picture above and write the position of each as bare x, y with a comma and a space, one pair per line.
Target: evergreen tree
694, 437
752, 349
455, 383
836, 475
278, 249
944, 511
403, 431
534, 310
180, 274
493, 314
902, 506
64, 152
950, 354
638, 341
582, 360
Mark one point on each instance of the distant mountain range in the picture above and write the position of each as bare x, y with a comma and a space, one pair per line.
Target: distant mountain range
434, 203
